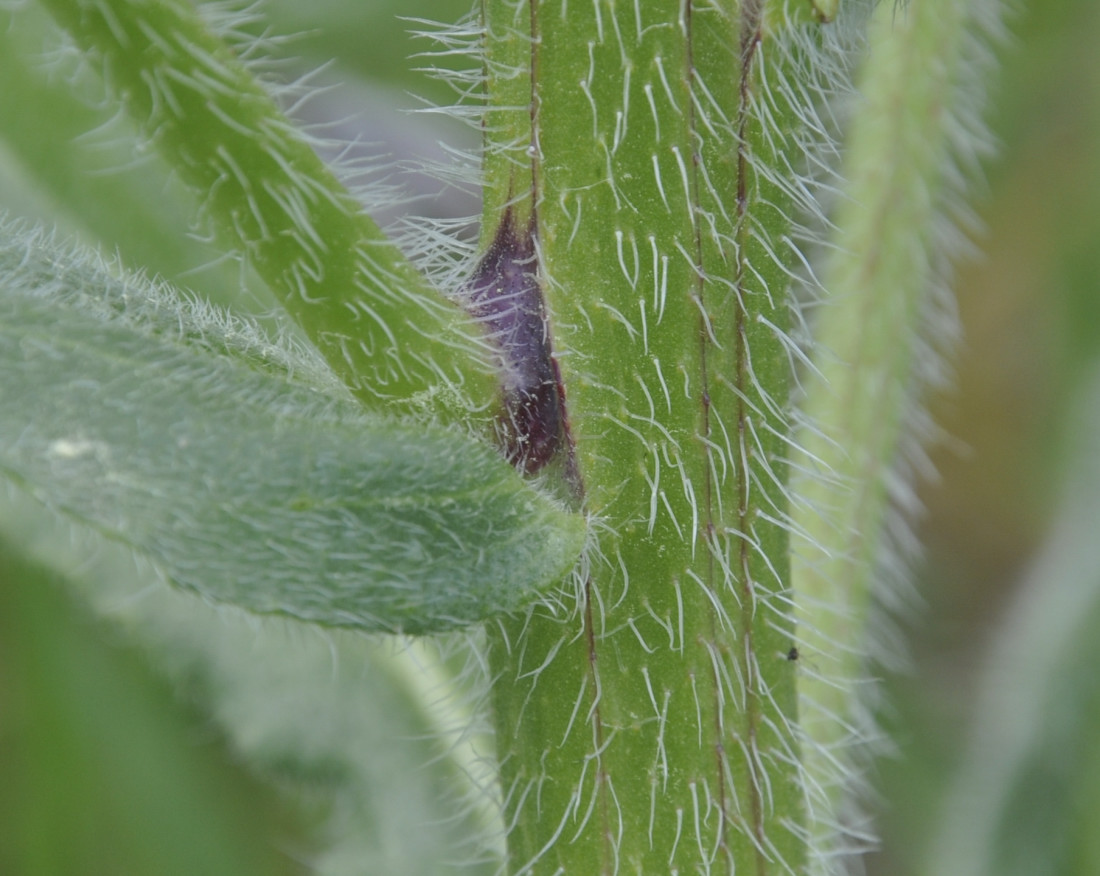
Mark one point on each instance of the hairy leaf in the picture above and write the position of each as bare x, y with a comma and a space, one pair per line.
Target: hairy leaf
242, 469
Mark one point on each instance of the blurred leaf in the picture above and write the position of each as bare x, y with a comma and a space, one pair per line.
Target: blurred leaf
190, 437
96, 185
101, 771
327, 29
375, 733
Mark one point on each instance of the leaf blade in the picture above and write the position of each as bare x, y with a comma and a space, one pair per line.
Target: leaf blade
241, 470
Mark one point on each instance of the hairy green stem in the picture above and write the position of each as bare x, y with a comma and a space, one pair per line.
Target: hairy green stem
653, 730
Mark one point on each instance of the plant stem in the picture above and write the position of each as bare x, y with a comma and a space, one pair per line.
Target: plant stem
652, 730
393, 339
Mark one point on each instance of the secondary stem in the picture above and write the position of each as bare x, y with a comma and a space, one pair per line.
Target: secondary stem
395, 341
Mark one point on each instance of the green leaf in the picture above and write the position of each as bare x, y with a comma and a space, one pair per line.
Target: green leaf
102, 772
241, 467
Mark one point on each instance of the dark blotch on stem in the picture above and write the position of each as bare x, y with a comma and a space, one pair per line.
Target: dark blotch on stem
505, 296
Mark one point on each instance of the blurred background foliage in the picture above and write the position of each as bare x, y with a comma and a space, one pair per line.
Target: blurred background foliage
1019, 429
107, 768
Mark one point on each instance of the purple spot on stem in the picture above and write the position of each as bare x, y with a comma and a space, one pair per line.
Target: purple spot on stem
504, 294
